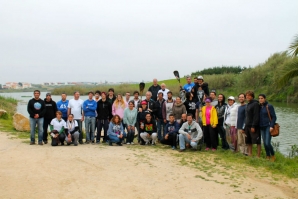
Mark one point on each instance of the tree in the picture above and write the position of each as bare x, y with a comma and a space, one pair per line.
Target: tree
293, 50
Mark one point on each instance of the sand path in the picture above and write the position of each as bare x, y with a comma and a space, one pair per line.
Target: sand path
100, 171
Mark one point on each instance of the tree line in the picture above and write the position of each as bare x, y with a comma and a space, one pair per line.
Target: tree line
217, 70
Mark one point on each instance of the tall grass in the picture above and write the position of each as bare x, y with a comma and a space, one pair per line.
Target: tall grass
8, 104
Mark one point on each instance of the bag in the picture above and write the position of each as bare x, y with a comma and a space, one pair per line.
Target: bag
275, 131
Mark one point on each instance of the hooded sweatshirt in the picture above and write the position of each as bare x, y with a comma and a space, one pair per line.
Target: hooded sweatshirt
230, 116
178, 110
51, 108
104, 110
36, 107
194, 130
172, 128
130, 116
89, 107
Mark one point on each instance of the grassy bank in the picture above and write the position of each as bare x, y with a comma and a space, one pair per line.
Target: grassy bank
262, 79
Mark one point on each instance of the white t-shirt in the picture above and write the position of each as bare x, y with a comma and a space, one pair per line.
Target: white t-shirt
76, 107
71, 125
57, 125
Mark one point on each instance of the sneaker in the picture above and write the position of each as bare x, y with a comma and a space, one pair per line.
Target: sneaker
87, 142
40, 143
213, 149
75, 144
173, 148
119, 143
45, 142
81, 142
153, 143
147, 143
62, 143
128, 143
181, 150
207, 149
132, 143
32, 143
92, 142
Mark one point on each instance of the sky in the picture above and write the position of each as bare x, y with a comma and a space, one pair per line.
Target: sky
137, 40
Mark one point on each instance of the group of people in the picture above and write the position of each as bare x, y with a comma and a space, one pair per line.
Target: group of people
195, 118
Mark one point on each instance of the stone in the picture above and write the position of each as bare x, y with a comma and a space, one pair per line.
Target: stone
20, 122
2, 113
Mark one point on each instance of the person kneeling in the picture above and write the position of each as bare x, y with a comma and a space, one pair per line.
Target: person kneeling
190, 133
72, 131
57, 129
171, 131
148, 130
115, 132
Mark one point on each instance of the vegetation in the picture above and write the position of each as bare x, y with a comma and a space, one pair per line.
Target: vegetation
220, 70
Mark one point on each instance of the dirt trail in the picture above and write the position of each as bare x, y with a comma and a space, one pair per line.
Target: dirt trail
97, 171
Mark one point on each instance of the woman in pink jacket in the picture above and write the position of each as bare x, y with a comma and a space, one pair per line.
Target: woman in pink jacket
119, 106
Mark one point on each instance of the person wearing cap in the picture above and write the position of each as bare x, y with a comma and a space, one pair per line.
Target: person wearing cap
188, 86
242, 147
230, 121
252, 123
104, 115
141, 118
89, 108
51, 108
220, 109
164, 90
267, 125
148, 130
189, 133
203, 85
159, 117
154, 89
111, 96
36, 110
62, 106
209, 121
75, 107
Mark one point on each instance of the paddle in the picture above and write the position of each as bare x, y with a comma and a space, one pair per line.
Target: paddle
176, 73
141, 86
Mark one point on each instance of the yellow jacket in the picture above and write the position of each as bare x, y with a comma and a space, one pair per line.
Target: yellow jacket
213, 119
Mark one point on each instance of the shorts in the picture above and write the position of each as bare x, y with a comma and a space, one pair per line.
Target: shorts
252, 138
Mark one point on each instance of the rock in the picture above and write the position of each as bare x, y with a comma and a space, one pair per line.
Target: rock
20, 122
2, 113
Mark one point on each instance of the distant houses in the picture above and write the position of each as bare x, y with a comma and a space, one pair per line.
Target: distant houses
16, 85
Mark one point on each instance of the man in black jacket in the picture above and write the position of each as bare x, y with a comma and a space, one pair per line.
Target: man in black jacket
154, 89
50, 113
104, 115
203, 85
252, 117
36, 110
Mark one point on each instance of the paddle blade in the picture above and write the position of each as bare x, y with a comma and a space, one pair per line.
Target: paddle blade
142, 86
176, 73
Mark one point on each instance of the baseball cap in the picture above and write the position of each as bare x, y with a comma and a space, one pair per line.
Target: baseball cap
144, 103
231, 98
200, 77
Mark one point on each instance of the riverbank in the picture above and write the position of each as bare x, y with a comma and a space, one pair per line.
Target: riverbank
145, 172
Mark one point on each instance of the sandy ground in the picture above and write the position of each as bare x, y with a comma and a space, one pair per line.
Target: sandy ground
97, 171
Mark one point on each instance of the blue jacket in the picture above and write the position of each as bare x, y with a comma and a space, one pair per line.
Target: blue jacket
62, 106
89, 107
264, 118
172, 128
114, 129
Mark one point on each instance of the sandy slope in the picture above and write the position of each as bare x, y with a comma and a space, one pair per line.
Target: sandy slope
96, 171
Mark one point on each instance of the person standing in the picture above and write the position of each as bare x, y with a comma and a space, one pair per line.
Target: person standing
89, 108
97, 95
267, 121
203, 85
129, 120
151, 106
230, 121
178, 109
104, 115
51, 109
220, 109
171, 131
168, 107
242, 147
159, 117
62, 106
164, 90
214, 102
209, 121
252, 122
111, 96
189, 133
36, 109
119, 106
136, 100
127, 97
188, 86
75, 107
190, 104
154, 89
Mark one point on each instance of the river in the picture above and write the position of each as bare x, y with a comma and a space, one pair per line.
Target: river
286, 117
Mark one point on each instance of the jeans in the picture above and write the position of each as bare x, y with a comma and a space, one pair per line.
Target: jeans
153, 137
222, 133
130, 135
80, 130
160, 129
46, 123
115, 139
266, 136
33, 123
89, 128
105, 125
183, 138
